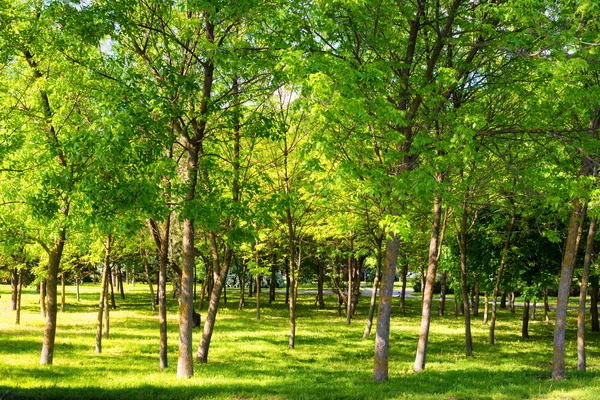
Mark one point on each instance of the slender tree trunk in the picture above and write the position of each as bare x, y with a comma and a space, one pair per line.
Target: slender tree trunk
250, 285
77, 287
486, 307
511, 302
320, 284
475, 299
589, 251
147, 272
568, 263
403, 290
525, 326
103, 293
51, 306
106, 332
185, 359
287, 282
13, 289
242, 286
350, 276
258, 296
499, 278
463, 280
204, 290
546, 306
380, 361
444, 288
295, 275
503, 301
18, 300
213, 305
112, 289
533, 307
455, 304
594, 309
120, 281
367, 331
273, 279
432, 264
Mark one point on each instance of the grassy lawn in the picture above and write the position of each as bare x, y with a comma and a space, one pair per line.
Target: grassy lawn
250, 359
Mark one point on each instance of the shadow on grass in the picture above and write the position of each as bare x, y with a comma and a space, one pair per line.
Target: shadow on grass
311, 382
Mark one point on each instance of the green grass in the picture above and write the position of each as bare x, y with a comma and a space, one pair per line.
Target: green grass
250, 359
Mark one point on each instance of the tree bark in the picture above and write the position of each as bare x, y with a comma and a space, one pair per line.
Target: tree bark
499, 277
589, 251
320, 284
403, 290
51, 306
503, 301
242, 286
120, 281
18, 299
463, 279
273, 279
444, 288
147, 271
13, 289
568, 263
525, 326
112, 288
258, 296
546, 306
486, 308
369, 324
432, 264
511, 302
103, 293
380, 361
350, 294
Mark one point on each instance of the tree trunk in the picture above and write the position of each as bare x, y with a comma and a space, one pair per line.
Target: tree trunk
547, 306
103, 293
568, 263
77, 288
112, 289
287, 282
444, 288
367, 331
589, 251
403, 290
511, 302
242, 286
213, 305
380, 361
525, 326
120, 281
463, 280
13, 289
594, 309
486, 308
51, 306
185, 358
475, 299
533, 307
18, 299
432, 264
147, 271
272, 281
258, 296
320, 284
499, 278
107, 311
250, 285
350, 294
503, 301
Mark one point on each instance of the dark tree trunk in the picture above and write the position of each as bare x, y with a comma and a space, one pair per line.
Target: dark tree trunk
486, 308
250, 285
320, 284
120, 280
463, 280
369, 324
403, 290
503, 301
350, 295
112, 290
380, 362
103, 293
589, 251
499, 278
258, 276
525, 326
511, 302
568, 263
547, 306
242, 286
444, 288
